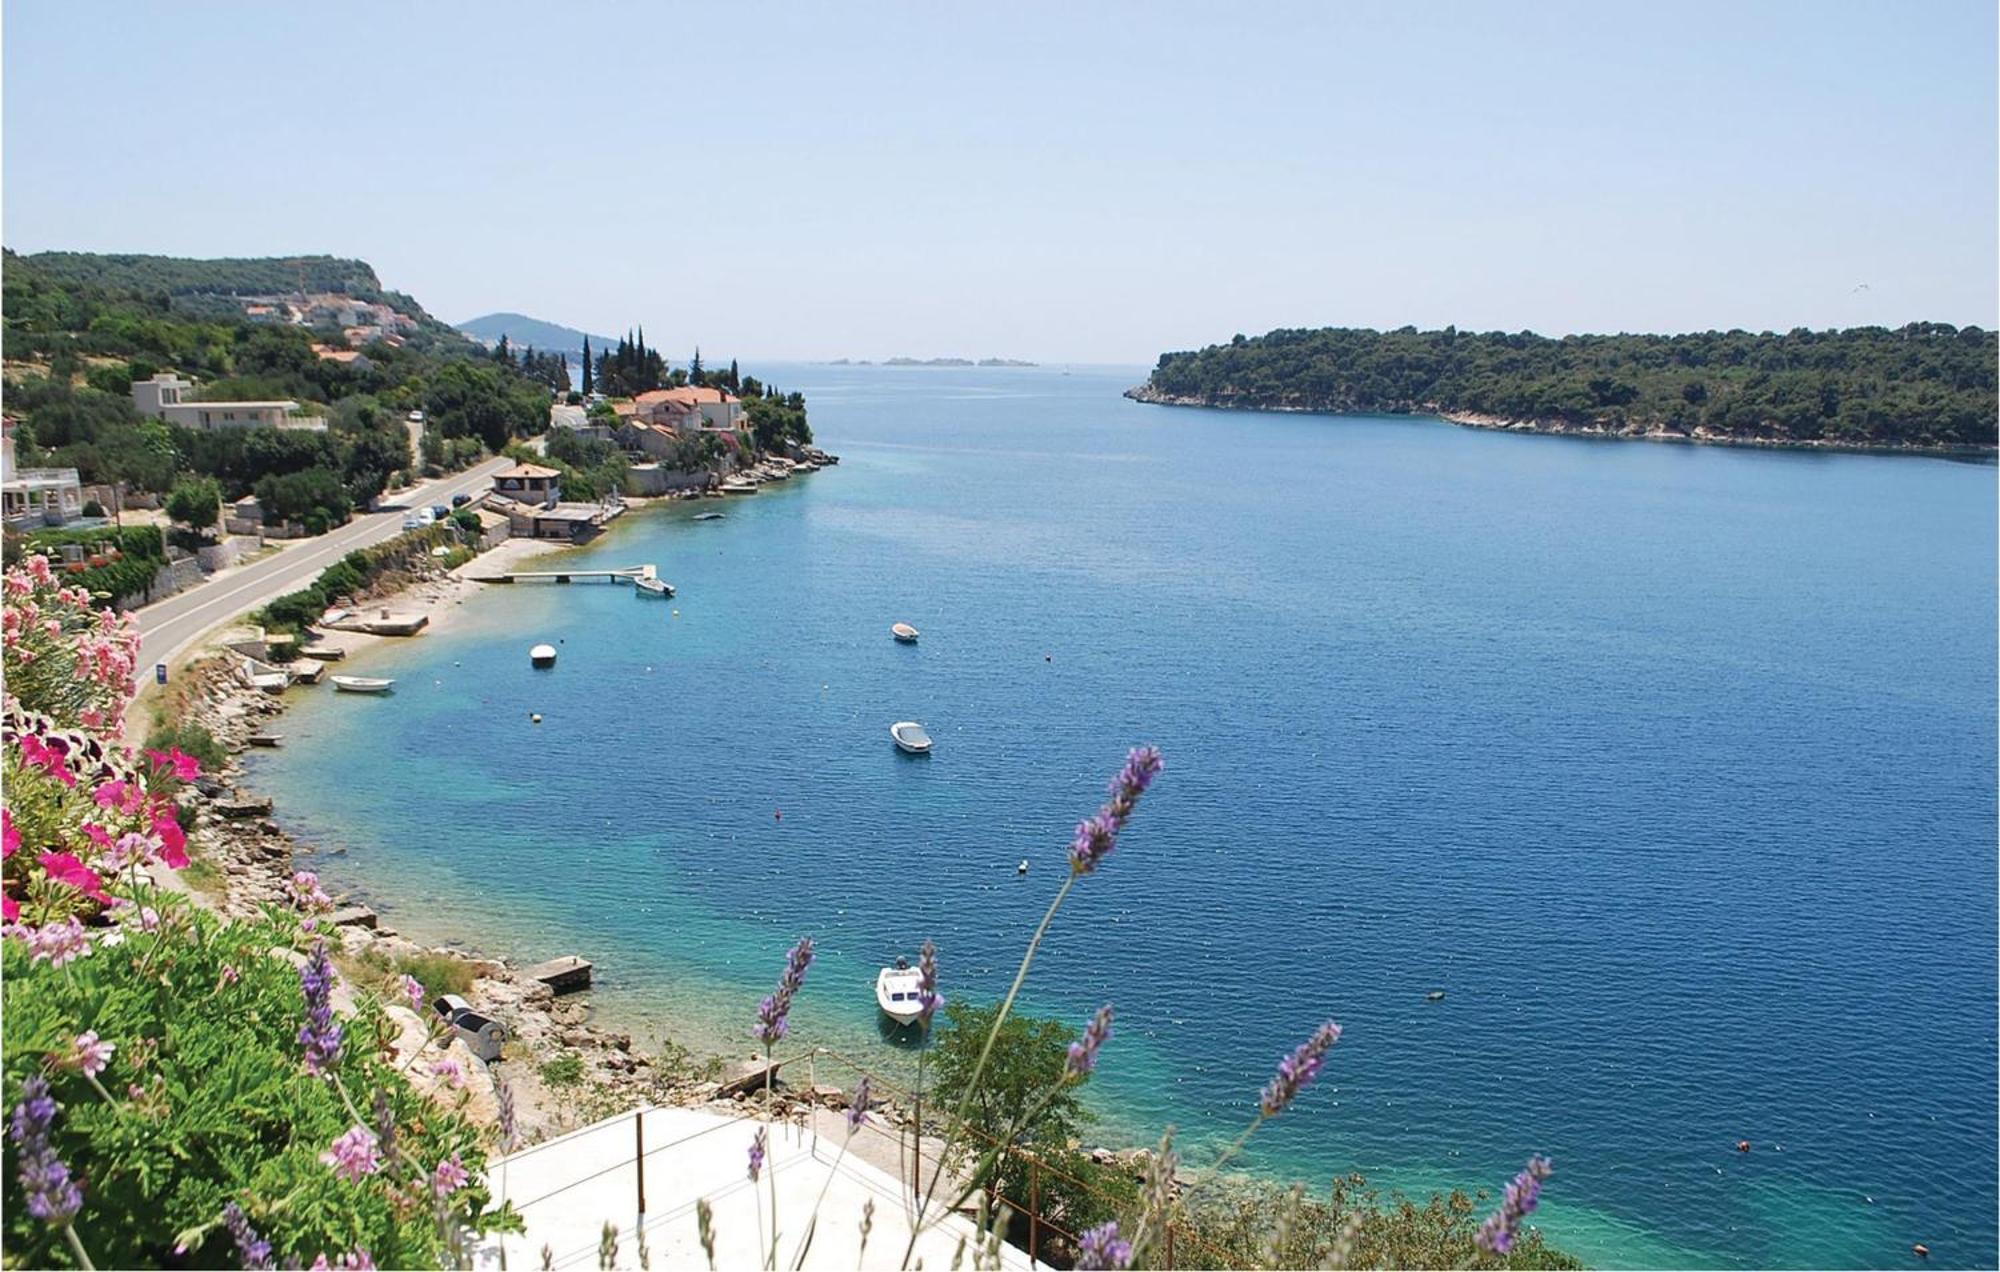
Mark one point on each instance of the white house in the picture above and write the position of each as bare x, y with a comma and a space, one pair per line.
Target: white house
168, 397
719, 410
35, 497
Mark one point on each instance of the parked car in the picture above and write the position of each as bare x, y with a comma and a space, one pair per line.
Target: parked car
439, 512
459, 501
416, 417
413, 522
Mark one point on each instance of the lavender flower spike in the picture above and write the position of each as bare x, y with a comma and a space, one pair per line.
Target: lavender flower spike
1496, 1235
252, 1251
1101, 1248
757, 1154
774, 1012
53, 1196
857, 1108
1098, 835
1297, 1070
927, 982
321, 1034
1083, 1055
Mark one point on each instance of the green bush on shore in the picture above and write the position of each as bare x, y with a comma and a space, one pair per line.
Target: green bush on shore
192, 738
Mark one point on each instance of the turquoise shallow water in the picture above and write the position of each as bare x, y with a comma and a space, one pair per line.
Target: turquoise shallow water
1673, 766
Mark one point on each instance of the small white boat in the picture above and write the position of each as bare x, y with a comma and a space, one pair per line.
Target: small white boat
708, 516
905, 633
542, 656
910, 736
899, 992
738, 488
362, 684
653, 587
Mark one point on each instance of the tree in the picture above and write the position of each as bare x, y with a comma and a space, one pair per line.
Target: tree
196, 503
694, 368
586, 367
304, 496
1025, 1091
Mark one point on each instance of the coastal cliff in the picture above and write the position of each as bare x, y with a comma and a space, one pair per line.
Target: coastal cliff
1927, 387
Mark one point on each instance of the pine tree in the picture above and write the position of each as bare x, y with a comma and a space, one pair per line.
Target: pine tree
734, 384
694, 368
501, 354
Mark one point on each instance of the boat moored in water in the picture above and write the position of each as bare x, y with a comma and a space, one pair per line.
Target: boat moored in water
653, 587
362, 684
899, 992
905, 633
709, 516
910, 736
542, 656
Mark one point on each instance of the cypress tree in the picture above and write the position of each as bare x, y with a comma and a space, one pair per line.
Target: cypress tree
586, 366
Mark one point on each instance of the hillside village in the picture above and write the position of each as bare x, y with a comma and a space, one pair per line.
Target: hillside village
208, 409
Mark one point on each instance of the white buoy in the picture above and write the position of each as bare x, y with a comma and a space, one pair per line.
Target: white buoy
543, 656
1022, 868
535, 717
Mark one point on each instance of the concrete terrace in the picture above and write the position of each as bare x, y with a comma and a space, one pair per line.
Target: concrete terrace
568, 1188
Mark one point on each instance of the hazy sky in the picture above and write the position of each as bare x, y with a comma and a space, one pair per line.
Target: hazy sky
1078, 182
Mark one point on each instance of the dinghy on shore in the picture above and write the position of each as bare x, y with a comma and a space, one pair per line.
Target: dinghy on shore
910, 736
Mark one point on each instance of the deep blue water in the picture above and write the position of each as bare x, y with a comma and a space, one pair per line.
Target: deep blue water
1673, 766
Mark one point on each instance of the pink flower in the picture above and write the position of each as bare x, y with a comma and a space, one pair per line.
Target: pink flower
451, 1073
306, 892
51, 760
10, 909
129, 848
353, 1155
173, 841
66, 869
123, 796
413, 989
97, 834
449, 1177
10, 838
58, 943
230, 975
91, 1054
185, 766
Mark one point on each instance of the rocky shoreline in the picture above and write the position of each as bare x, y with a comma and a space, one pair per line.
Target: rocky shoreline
1565, 428
563, 1070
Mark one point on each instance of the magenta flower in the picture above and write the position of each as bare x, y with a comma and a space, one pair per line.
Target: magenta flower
1297, 1070
1522, 1195
413, 989
353, 1156
90, 1054
53, 1196
1097, 835
757, 1147
774, 1012
927, 981
10, 838
65, 869
449, 1177
185, 766
1083, 1055
52, 760
857, 1108
1101, 1248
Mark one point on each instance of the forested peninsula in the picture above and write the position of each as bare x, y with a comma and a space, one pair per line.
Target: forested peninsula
1926, 386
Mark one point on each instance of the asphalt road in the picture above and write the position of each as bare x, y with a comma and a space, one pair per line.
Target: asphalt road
170, 626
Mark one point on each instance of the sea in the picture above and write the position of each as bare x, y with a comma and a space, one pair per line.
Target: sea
1671, 767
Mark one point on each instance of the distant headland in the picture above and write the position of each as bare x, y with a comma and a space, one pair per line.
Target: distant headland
1923, 387
932, 362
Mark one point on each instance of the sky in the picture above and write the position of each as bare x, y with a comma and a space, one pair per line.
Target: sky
1076, 182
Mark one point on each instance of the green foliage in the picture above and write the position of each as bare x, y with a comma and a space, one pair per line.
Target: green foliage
564, 1071
1024, 1100
778, 421
480, 400
1250, 1223
92, 508
118, 562
439, 971
591, 467
193, 738
1923, 384
354, 574
301, 496
215, 1104
196, 503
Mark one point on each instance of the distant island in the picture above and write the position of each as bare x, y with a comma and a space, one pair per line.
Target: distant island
1926, 386
522, 331
933, 362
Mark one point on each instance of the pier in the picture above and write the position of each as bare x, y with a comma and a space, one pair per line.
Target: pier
630, 574
562, 974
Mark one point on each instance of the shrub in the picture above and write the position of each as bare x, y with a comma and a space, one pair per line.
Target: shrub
119, 563
64, 658
92, 508
196, 503
563, 1071
295, 611
192, 739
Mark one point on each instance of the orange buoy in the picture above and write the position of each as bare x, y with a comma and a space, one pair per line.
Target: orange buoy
1742, 1146
1921, 1250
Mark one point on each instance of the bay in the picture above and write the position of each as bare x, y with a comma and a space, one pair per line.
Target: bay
1673, 766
